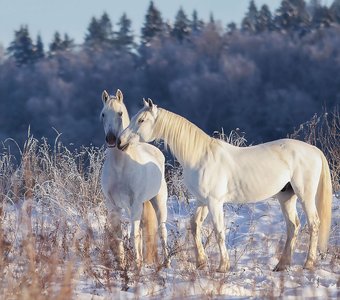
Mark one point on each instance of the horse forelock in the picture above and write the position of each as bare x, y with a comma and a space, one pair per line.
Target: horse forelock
185, 140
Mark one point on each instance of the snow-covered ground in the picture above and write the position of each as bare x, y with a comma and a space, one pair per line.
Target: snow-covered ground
255, 238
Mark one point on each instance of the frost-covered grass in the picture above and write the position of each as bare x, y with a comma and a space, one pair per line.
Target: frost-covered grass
55, 243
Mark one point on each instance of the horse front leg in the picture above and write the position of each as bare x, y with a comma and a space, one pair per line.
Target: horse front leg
288, 206
216, 210
115, 229
196, 226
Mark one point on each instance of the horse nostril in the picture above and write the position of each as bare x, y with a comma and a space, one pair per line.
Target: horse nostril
110, 139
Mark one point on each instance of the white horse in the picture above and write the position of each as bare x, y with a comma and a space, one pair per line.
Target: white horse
217, 172
130, 179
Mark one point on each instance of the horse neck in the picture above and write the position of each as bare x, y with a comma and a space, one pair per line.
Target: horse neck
188, 143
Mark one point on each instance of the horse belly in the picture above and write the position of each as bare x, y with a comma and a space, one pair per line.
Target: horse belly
256, 186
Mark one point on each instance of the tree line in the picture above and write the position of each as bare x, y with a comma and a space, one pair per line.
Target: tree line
266, 76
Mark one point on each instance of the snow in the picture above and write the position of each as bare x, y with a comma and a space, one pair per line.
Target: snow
255, 238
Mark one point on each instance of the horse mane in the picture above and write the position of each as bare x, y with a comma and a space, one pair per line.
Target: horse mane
185, 140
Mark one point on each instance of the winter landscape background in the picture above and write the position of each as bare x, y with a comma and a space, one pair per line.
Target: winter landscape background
272, 75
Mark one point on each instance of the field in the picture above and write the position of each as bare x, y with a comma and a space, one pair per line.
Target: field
55, 244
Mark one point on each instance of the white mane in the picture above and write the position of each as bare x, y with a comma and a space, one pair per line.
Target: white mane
186, 141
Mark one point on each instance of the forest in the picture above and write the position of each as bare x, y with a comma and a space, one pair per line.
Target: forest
264, 76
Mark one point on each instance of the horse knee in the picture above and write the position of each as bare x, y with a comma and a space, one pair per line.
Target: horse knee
314, 226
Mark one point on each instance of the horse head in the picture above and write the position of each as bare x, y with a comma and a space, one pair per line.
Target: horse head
141, 126
114, 116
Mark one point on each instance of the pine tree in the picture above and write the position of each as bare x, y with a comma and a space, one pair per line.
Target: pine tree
181, 27
292, 15
231, 27
22, 49
153, 25
335, 11
264, 20
39, 49
106, 29
124, 37
100, 33
196, 24
67, 43
56, 44
322, 17
249, 23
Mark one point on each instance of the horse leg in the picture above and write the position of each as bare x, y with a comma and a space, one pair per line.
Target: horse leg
216, 210
309, 208
196, 225
288, 205
307, 195
150, 228
136, 232
159, 204
117, 234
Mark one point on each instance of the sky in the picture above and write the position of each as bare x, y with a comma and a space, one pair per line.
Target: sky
45, 17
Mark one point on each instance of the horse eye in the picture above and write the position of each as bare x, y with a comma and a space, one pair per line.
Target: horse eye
140, 121
120, 113
103, 115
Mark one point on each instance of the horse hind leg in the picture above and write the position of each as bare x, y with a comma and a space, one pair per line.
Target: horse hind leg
150, 227
307, 195
309, 208
196, 225
287, 201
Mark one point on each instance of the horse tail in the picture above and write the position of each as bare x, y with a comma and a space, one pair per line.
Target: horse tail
324, 204
150, 228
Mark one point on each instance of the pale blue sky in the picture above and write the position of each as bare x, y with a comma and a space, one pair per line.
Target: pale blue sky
73, 16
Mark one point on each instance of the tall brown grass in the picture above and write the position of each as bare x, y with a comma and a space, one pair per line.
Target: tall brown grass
53, 229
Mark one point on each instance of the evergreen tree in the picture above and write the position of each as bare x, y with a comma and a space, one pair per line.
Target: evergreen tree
56, 44
39, 49
335, 11
264, 21
231, 27
100, 33
249, 23
124, 37
153, 25
322, 17
67, 43
22, 49
292, 15
196, 24
181, 28
106, 29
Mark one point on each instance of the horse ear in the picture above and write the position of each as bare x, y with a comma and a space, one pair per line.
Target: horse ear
152, 107
105, 96
150, 103
146, 104
119, 95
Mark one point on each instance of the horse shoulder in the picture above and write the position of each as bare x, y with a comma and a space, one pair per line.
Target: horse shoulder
153, 153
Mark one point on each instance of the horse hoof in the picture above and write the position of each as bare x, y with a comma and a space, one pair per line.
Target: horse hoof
280, 267
201, 265
223, 268
309, 265
166, 264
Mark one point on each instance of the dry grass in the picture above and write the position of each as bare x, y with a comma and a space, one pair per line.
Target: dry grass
54, 235
324, 132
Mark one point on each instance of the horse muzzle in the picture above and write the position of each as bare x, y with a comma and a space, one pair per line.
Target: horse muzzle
120, 146
111, 140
